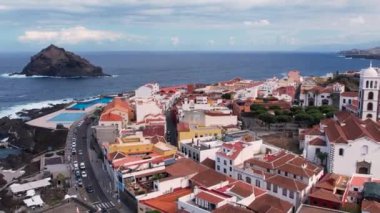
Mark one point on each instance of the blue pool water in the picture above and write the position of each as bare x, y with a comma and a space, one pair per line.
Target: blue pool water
5, 152
67, 117
85, 104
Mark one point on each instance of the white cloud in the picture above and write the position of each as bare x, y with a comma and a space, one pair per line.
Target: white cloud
175, 40
72, 35
232, 40
156, 12
258, 23
3, 7
211, 42
359, 20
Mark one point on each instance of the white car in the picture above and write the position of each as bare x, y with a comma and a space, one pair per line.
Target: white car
84, 174
82, 166
75, 163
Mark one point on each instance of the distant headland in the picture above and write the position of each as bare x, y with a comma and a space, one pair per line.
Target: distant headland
373, 53
54, 61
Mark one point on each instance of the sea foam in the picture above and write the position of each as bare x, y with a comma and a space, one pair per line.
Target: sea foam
11, 111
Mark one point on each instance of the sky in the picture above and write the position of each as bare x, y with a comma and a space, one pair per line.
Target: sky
189, 25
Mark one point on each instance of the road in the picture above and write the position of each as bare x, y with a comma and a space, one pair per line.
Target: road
98, 198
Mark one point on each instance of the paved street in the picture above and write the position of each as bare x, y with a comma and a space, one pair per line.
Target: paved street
102, 196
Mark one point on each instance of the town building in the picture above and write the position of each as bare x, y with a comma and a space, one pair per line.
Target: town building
369, 87
284, 174
351, 145
319, 96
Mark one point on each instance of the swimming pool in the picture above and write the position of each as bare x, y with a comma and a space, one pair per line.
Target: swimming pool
85, 104
67, 117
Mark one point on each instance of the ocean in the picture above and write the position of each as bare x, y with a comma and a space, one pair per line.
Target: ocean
132, 69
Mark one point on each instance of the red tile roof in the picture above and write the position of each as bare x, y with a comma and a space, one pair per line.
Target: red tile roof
324, 194
234, 150
110, 117
267, 203
370, 206
349, 94
167, 203
209, 197
287, 183
154, 130
208, 178
317, 142
228, 208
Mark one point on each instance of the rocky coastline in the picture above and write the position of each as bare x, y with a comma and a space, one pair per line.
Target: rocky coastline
30, 140
373, 53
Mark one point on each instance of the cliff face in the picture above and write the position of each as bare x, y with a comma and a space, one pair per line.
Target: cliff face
56, 62
373, 53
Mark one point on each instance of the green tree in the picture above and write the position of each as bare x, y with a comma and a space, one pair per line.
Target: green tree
283, 118
267, 118
275, 107
255, 107
322, 156
227, 96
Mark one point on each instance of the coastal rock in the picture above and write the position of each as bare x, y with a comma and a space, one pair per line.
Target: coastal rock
56, 62
373, 53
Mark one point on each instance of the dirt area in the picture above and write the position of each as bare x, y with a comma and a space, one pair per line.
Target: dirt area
52, 196
282, 140
32, 168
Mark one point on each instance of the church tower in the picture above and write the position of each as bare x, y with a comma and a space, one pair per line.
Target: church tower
369, 93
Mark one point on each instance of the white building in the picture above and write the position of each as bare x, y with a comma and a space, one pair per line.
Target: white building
369, 93
319, 96
201, 149
145, 107
251, 92
147, 90
352, 145
285, 175
235, 153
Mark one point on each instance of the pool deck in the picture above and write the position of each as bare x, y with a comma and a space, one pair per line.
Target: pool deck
44, 121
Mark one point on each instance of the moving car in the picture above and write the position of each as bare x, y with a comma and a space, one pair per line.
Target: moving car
84, 174
82, 166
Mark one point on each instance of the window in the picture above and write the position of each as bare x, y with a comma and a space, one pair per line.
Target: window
364, 150
341, 151
275, 188
268, 186
230, 169
278, 172
231, 162
218, 167
349, 101
371, 84
218, 159
366, 84
258, 183
225, 171
268, 170
356, 189
370, 96
240, 177
248, 179
286, 174
317, 150
225, 162
284, 192
295, 176
291, 194
369, 106
344, 100
375, 84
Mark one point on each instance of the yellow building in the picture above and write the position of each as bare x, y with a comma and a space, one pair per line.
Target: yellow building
188, 132
137, 144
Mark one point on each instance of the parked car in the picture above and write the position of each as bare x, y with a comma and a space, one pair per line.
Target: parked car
84, 174
76, 165
80, 182
77, 174
80, 152
73, 151
82, 166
